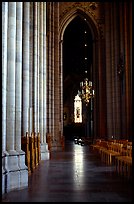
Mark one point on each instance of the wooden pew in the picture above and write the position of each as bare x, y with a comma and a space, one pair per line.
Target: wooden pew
113, 149
36, 149
32, 152
25, 148
38, 146
123, 163
96, 146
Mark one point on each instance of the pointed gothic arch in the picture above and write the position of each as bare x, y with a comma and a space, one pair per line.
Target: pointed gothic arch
93, 26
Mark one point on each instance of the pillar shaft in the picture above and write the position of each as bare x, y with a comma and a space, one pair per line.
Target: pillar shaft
49, 122
52, 70
35, 67
41, 73
11, 47
44, 74
31, 91
56, 73
4, 70
38, 61
26, 66
18, 76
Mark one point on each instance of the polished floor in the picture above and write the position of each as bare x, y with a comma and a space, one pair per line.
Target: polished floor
73, 175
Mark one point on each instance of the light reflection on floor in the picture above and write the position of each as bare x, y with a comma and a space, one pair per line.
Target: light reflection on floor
78, 165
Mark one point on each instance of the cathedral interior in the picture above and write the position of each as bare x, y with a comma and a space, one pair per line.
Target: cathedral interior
67, 101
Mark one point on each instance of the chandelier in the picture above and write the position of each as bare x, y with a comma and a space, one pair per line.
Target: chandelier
86, 92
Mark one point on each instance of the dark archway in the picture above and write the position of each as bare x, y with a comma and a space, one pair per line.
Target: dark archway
74, 67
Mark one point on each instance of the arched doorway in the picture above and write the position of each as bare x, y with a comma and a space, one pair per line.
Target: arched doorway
73, 52
76, 60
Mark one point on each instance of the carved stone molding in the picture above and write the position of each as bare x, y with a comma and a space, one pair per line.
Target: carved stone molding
91, 8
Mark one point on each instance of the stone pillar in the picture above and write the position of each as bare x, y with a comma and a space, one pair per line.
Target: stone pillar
108, 72
35, 66
114, 82
52, 72
18, 96
4, 88
31, 77
57, 121
61, 83
127, 120
44, 74
44, 146
26, 39
13, 179
49, 86
41, 71
38, 64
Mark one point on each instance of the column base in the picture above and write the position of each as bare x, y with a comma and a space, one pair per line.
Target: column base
3, 180
45, 155
23, 170
56, 146
13, 176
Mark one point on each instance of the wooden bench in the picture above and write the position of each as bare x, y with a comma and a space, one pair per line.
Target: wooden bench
113, 149
102, 147
25, 148
97, 145
32, 152
38, 147
123, 163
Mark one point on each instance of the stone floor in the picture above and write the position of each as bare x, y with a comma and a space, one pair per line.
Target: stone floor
74, 175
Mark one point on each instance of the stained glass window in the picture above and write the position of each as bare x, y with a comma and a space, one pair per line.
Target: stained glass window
77, 109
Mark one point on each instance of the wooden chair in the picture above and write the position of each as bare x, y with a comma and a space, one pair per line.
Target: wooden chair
124, 163
114, 149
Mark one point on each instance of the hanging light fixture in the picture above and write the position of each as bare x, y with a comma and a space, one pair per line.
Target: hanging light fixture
86, 91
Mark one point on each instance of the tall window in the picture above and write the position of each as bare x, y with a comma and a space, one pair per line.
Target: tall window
77, 109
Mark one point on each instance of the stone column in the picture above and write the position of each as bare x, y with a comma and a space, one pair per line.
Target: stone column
127, 117
13, 179
31, 78
44, 74
4, 82
52, 71
57, 121
49, 86
35, 66
108, 72
115, 88
41, 72
38, 64
18, 96
61, 83
44, 146
26, 40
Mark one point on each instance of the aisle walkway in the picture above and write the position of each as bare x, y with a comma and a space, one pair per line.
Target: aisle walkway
75, 175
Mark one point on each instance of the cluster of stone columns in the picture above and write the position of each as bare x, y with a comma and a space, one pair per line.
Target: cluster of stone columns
118, 88
23, 86
54, 82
